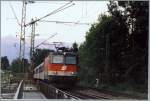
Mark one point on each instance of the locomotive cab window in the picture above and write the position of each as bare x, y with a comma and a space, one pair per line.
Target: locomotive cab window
70, 60
57, 59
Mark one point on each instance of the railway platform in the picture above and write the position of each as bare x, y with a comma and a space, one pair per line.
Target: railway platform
31, 92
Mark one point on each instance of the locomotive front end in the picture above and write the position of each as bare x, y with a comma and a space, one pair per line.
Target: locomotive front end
63, 68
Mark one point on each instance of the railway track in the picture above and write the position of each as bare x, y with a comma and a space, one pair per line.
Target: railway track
88, 93
51, 92
85, 95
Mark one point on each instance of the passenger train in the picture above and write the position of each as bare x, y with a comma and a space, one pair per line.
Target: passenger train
58, 68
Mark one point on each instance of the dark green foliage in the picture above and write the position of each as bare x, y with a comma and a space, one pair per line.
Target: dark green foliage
138, 17
75, 47
137, 53
116, 47
19, 66
4, 63
92, 52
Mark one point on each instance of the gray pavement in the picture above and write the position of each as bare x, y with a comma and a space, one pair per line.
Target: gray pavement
31, 92
33, 95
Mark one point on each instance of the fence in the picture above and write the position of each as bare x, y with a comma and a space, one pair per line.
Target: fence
53, 93
19, 92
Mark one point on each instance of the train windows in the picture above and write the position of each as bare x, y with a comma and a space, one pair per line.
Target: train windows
70, 60
57, 59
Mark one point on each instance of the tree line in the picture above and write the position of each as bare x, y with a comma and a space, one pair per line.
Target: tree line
116, 46
4, 63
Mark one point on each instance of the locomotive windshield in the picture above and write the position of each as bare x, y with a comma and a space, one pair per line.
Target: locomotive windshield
57, 59
70, 60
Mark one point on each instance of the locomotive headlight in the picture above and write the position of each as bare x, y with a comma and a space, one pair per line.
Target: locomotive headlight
73, 73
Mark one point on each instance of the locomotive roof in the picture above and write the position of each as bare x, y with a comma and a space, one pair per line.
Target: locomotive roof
69, 53
62, 53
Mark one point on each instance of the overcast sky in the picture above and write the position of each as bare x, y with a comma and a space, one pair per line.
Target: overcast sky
82, 11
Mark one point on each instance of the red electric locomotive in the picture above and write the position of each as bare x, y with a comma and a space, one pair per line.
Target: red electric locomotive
58, 68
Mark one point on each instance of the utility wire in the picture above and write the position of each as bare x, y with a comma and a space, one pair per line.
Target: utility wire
65, 22
50, 2
57, 10
45, 40
14, 13
53, 12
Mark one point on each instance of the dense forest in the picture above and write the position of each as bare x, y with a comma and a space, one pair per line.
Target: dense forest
116, 47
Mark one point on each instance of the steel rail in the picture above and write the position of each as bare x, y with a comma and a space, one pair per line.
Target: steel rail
66, 94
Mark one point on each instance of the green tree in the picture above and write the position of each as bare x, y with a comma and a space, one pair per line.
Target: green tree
134, 60
92, 53
138, 14
75, 47
115, 49
17, 66
4, 63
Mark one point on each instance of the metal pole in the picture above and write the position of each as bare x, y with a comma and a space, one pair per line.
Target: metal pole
22, 36
32, 39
